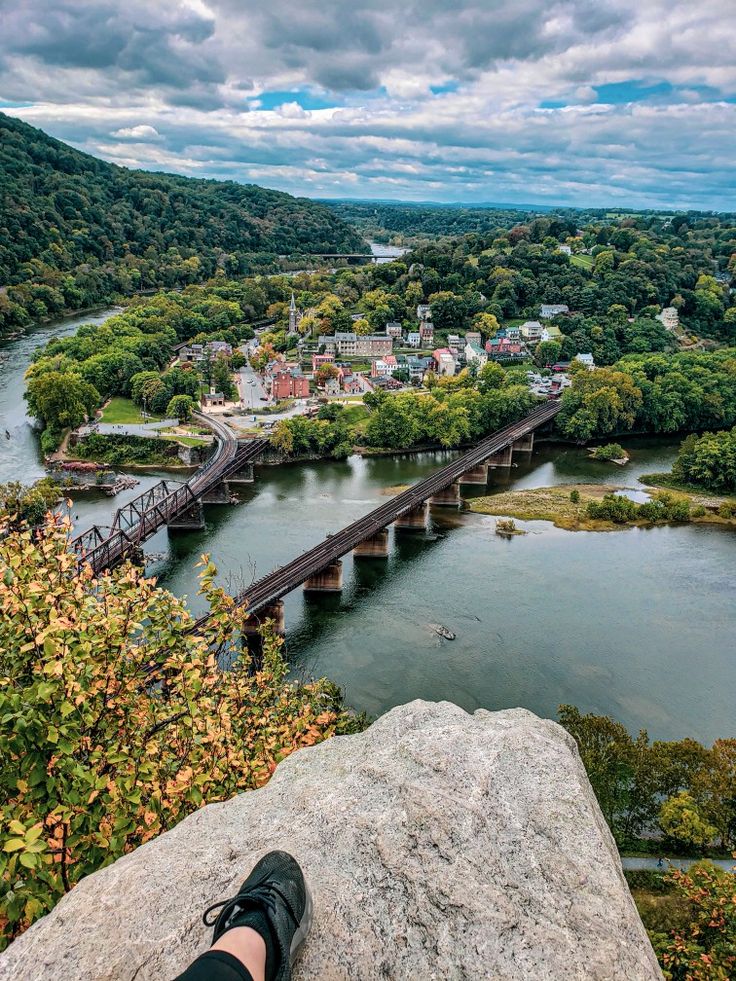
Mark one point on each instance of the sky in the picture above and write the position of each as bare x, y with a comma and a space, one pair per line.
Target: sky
577, 102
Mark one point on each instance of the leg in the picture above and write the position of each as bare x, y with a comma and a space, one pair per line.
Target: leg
258, 932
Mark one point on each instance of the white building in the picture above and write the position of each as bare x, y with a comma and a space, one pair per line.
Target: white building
413, 338
475, 353
549, 310
669, 318
445, 361
564, 248
424, 311
531, 331
587, 360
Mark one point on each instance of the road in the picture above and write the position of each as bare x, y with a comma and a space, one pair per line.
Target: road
650, 863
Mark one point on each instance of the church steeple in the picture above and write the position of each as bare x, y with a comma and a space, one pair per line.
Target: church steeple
292, 315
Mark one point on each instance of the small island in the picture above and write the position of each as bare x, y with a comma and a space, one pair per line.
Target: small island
610, 453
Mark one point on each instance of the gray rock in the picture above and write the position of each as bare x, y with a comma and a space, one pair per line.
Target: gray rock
437, 844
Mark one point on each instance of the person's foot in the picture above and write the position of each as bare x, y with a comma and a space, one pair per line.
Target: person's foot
274, 900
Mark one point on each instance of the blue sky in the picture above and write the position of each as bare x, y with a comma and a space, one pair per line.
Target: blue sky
583, 102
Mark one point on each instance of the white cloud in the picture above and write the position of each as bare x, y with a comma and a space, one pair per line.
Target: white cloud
183, 87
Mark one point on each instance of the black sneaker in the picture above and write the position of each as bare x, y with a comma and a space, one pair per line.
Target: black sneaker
275, 899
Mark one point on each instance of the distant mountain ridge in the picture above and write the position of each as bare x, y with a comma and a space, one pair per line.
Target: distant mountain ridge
76, 230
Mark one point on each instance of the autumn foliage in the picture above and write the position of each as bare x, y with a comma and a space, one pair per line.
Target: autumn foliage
116, 721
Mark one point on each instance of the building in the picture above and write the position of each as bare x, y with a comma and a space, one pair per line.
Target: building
531, 331
549, 310
383, 367
424, 311
474, 354
669, 318
212, 398
352, 383
564, 248
426, 333
551, 332
502, 348
393, 329
413, 338
193, 353
444, 360
473, 337
418, 366
587, 360
294, 316
347, 344
288, 382
453, 340
319, 359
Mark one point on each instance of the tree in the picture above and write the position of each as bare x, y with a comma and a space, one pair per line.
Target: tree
116, 721
61, 400
448, 310
486, 323
598, 403
683, 824
547, 353
180, 407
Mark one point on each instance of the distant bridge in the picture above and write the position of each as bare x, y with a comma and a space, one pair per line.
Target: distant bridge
320, 569
169, 503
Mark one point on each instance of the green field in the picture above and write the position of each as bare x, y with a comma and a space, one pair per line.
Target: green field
583, 261
121, 411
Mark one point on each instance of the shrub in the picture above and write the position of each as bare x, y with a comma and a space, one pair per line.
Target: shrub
613, 507
611, 451
116, 721
575, 496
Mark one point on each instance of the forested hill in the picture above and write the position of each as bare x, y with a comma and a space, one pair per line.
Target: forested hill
76, 231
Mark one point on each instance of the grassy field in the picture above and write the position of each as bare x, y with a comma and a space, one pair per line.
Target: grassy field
583, 261
120, 411
554, 504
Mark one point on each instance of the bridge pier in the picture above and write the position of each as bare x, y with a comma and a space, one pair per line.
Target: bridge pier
190, 519
243, 476
218, 494
250, 635
375, 547
416, 519
476, 476
447, 498
327, 580
525, 444
500, 459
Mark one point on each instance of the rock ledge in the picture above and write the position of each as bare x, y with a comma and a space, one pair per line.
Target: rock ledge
437, 844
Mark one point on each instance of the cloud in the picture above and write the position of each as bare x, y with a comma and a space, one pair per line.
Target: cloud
576, 101
142, 132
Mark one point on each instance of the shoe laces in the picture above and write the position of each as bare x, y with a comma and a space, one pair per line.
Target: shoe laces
258, 897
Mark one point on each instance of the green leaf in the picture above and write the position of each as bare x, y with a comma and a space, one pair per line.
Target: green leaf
14, 845
17, 828
66, 709
28, 861
53, 734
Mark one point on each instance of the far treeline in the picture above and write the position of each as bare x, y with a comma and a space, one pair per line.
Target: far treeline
76, 231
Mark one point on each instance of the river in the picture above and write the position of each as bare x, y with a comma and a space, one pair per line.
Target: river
638, 624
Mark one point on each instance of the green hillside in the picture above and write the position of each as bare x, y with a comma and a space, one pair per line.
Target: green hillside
77, 231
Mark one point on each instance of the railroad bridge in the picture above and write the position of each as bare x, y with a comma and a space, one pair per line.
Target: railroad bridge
319, 570
178, 506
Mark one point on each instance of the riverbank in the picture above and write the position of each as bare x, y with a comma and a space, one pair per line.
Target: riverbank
566, 506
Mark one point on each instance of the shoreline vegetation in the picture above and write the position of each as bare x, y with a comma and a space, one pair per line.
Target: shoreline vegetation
567, 506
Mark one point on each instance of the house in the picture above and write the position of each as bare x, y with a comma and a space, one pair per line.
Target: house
319, 359
551, 332
418, 366
383, 367
512, 333
332, 385
669, 318
502, 348
393, 329
531, 331
587, 360
549, 310
413, 338
352, 384
426, 332
444, 361
189, 354
564, 248
474, 354
473, 337
424, 311
453, 340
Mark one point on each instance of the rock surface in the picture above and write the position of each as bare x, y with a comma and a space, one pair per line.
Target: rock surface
437, 844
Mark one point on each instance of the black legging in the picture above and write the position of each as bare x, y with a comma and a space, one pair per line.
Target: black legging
216, 965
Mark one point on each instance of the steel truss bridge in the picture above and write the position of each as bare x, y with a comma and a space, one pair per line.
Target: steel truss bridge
266, 591
105, 547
